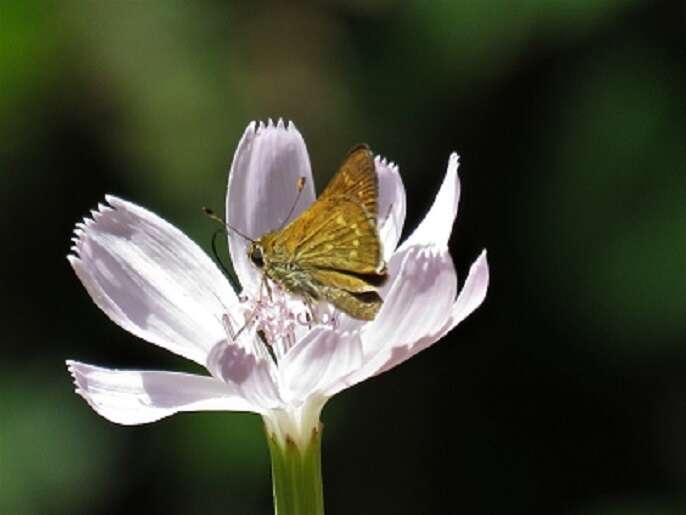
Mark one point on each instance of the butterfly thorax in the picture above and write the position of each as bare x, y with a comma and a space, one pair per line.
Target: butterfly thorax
277, 261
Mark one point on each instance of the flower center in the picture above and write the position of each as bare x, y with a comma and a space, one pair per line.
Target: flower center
280, 319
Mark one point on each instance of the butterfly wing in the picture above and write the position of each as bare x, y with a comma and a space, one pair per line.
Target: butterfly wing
338, 231
333, 249
364, 305
339, 234
356, 179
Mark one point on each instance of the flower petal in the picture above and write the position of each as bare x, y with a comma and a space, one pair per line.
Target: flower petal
471, 296
250, 376
136, 397
417, 303
392, 205
473, 292
151, 279
262, 189
437, 225
418, 299
321, 359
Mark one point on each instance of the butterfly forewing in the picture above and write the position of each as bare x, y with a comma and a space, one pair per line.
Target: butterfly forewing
341, 236
356, 180
332, 250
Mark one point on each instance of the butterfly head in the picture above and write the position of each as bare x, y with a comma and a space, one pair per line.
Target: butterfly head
256, 254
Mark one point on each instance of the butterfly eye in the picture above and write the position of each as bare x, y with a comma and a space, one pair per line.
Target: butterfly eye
256, 256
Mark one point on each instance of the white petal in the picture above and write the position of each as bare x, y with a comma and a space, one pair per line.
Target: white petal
262, 188
471, 296
437, 225
473, 292
392, 205
251, 376
417, 303
136, 397
322, 359
422, 290
151, 279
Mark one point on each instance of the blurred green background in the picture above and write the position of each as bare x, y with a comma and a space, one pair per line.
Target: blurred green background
564, 394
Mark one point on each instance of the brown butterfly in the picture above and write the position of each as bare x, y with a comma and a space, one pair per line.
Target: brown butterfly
331, 252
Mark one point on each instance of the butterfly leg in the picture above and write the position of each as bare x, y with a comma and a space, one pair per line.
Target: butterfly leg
253, 313
264, 285
248, 321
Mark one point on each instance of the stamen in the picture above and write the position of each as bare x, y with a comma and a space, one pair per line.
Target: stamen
276, 320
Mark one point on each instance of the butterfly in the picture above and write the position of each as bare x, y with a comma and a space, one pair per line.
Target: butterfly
331, 252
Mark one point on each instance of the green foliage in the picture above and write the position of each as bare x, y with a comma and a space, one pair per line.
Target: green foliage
50, 449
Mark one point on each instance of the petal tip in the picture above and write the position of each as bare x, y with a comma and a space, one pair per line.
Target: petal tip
258, 128
248, 134
453, 165
71, 368
473, 291
482, 263
71, 365
380, 160
113, 200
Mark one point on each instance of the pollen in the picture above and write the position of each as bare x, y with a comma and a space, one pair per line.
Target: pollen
340, 220
356, 243
353, 254
329, 247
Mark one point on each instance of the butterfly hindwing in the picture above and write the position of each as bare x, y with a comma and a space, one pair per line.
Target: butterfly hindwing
363, 305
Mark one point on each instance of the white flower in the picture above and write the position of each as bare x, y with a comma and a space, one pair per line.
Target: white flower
152, 280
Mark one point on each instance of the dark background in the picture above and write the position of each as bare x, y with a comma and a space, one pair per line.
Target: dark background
565, 393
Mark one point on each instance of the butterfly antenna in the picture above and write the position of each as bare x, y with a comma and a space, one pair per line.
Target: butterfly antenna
214, 216
301, 186
231, 276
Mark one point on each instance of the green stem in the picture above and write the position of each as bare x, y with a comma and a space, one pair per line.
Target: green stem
297, 475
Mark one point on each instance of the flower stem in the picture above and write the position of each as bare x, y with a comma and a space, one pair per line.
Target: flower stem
297, 475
